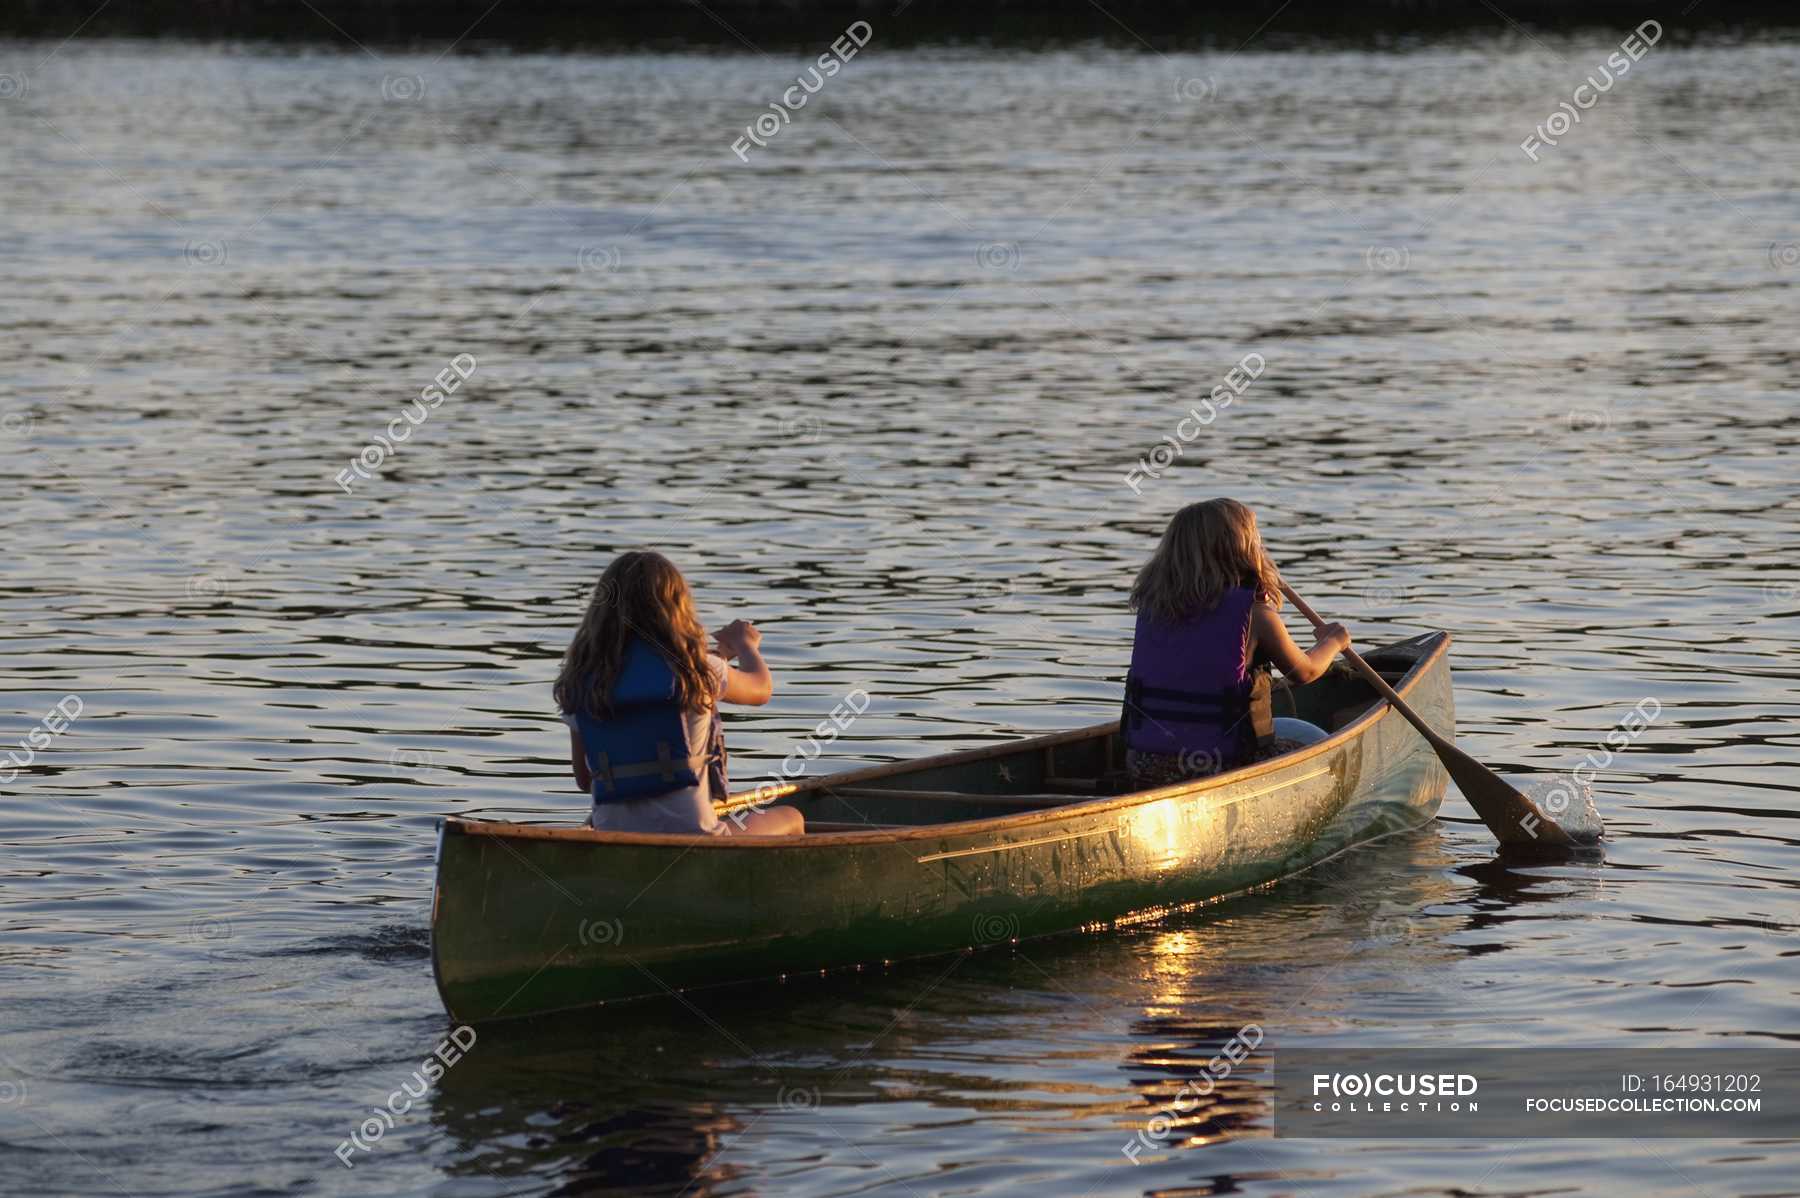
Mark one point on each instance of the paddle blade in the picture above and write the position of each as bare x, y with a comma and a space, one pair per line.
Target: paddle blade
1508, 812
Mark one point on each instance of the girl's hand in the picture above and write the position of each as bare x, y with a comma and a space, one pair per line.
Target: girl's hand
1335, 635
749, 681
738, 636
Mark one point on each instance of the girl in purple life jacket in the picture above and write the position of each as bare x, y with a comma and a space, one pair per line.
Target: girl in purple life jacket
640, 691
1208, 628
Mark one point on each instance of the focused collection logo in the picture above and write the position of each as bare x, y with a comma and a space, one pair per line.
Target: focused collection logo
1370, 1093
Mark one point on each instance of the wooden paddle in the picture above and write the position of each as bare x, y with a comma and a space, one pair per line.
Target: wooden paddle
1510, 815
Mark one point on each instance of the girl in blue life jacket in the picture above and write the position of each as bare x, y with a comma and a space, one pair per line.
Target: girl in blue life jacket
1208, 628
640, 693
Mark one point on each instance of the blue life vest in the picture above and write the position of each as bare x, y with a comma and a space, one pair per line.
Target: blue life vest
643, 749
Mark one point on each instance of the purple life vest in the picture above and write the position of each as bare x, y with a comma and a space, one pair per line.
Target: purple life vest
1191, 690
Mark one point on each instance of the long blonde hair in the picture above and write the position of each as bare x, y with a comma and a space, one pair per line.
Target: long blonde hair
1208, 548
641, 594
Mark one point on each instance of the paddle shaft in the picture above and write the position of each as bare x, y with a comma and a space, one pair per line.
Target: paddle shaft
1368, 672
1511, 815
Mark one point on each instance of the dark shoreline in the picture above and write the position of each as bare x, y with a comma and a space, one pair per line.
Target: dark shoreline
730, 24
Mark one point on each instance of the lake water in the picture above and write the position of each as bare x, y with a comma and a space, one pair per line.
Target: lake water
877, 388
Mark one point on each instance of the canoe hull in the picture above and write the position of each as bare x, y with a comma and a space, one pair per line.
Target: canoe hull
530, 920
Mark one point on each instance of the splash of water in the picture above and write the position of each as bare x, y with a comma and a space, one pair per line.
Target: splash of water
1569, 802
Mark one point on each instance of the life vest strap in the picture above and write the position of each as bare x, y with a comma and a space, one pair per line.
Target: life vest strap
1182, 696
1180, 706
1261, 710
1243, 711
663, 767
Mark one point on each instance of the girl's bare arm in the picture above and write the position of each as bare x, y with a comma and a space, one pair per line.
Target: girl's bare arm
749, 682
578, 761
1299, 666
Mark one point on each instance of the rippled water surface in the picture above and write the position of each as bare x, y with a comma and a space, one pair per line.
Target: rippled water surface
878, 389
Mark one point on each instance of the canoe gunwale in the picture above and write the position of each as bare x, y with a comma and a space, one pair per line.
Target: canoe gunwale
1433, 647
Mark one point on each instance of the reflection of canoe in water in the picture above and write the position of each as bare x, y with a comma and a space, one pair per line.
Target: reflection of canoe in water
923, 857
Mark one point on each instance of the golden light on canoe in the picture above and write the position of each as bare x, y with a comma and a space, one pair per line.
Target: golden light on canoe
1156, 828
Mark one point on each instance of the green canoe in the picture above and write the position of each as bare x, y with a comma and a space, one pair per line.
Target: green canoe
917, 858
